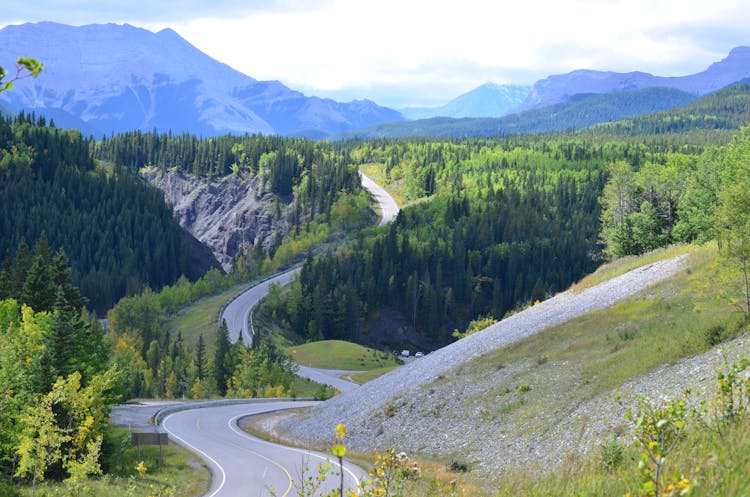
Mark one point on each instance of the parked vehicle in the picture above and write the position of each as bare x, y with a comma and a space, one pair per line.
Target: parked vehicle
404, 353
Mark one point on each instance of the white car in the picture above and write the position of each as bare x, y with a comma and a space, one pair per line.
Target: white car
404, 353
419, 354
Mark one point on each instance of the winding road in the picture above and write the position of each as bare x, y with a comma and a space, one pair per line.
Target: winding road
237, 313
243, 465
240, 463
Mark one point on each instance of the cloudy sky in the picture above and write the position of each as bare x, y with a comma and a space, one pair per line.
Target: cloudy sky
425, 52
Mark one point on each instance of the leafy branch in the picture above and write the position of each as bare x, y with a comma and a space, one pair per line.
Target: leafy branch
25, 67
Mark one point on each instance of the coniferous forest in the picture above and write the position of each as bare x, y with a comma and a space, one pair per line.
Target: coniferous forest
116, 230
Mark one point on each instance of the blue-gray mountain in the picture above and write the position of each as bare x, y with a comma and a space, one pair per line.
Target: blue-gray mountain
108, 78
561, 87
487, 100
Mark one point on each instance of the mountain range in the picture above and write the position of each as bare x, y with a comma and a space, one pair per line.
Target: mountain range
487, 100
108, 78
561, 87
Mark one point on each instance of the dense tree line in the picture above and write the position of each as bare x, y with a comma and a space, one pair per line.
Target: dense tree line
459, 256
310, 171
157, 363
685, 199
579, 112
726, 109
506, 222
117, 231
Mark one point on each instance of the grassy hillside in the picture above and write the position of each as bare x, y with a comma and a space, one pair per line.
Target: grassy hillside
337, 354
536, 417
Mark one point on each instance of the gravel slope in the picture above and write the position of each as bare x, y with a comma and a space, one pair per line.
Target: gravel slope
362, 410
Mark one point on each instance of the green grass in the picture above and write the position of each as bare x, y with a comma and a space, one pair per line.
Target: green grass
366, 376
717, 463
625, 264
337, 354
603, 349
182, 472
202, 317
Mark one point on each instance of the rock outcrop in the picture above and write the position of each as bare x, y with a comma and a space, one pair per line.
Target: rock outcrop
227, 214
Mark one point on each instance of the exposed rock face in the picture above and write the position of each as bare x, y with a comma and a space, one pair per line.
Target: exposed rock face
227, 214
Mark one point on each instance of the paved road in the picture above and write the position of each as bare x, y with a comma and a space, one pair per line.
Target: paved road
330, 377
237, 312
240, 464
388, 207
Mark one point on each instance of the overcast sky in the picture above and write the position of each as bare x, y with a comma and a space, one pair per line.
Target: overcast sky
425, 52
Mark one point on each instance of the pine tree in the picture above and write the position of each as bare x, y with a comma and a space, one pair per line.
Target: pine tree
62, 279
221, 356
200, 357
38, 290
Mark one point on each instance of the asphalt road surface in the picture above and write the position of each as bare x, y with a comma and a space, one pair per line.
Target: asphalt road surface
237, 312
330, 377
388, 207
243, 465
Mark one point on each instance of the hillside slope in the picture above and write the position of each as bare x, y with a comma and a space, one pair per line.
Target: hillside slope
359, 409
545, 394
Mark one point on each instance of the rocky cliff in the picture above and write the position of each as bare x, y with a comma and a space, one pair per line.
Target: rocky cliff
226, 214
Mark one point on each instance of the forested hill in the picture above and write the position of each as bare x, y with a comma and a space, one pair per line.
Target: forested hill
724, 110
579, 112
115, 228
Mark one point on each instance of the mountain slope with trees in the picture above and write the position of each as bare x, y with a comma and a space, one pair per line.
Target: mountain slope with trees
579, 112
115, 228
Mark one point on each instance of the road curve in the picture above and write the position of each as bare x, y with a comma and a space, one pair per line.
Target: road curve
332, 377
236, 314
388, 206
245, 465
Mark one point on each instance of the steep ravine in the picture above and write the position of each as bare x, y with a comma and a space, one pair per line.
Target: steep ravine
225, 214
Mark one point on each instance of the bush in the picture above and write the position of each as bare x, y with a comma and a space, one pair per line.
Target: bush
458, 466
612, 454
713, 335
8, 490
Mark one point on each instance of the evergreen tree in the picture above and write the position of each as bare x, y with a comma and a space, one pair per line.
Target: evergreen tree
200, 357
222, 371
38, 289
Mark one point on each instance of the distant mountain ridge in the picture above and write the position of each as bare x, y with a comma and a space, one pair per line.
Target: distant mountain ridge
579, 112
560, 88
487, 100
106, 78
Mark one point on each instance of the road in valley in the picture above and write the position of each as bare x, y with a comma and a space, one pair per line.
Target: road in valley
388, 207
237, 313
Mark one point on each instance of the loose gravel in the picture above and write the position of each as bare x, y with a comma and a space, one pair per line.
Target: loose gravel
370, 411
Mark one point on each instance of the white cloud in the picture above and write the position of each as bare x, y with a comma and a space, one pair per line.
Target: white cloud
435, 49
